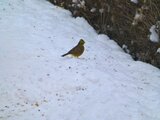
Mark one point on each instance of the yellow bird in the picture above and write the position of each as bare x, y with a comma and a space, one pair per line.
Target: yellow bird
77, 50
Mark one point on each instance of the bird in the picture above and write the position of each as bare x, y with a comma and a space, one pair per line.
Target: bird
77, 50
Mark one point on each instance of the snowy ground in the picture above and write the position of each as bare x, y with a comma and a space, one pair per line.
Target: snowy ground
36, 83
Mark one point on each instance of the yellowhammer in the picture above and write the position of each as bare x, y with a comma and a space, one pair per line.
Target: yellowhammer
77, 50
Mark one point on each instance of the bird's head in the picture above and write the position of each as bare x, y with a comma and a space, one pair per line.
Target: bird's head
81, 42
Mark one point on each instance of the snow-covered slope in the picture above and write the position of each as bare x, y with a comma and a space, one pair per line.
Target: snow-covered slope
36, 83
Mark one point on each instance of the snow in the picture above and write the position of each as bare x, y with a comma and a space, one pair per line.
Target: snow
93, 10
138, 17
75, 1
158, 50
125, 48
134, 1
37, 83
154, 37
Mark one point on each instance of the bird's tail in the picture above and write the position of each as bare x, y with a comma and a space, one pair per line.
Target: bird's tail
64, 55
